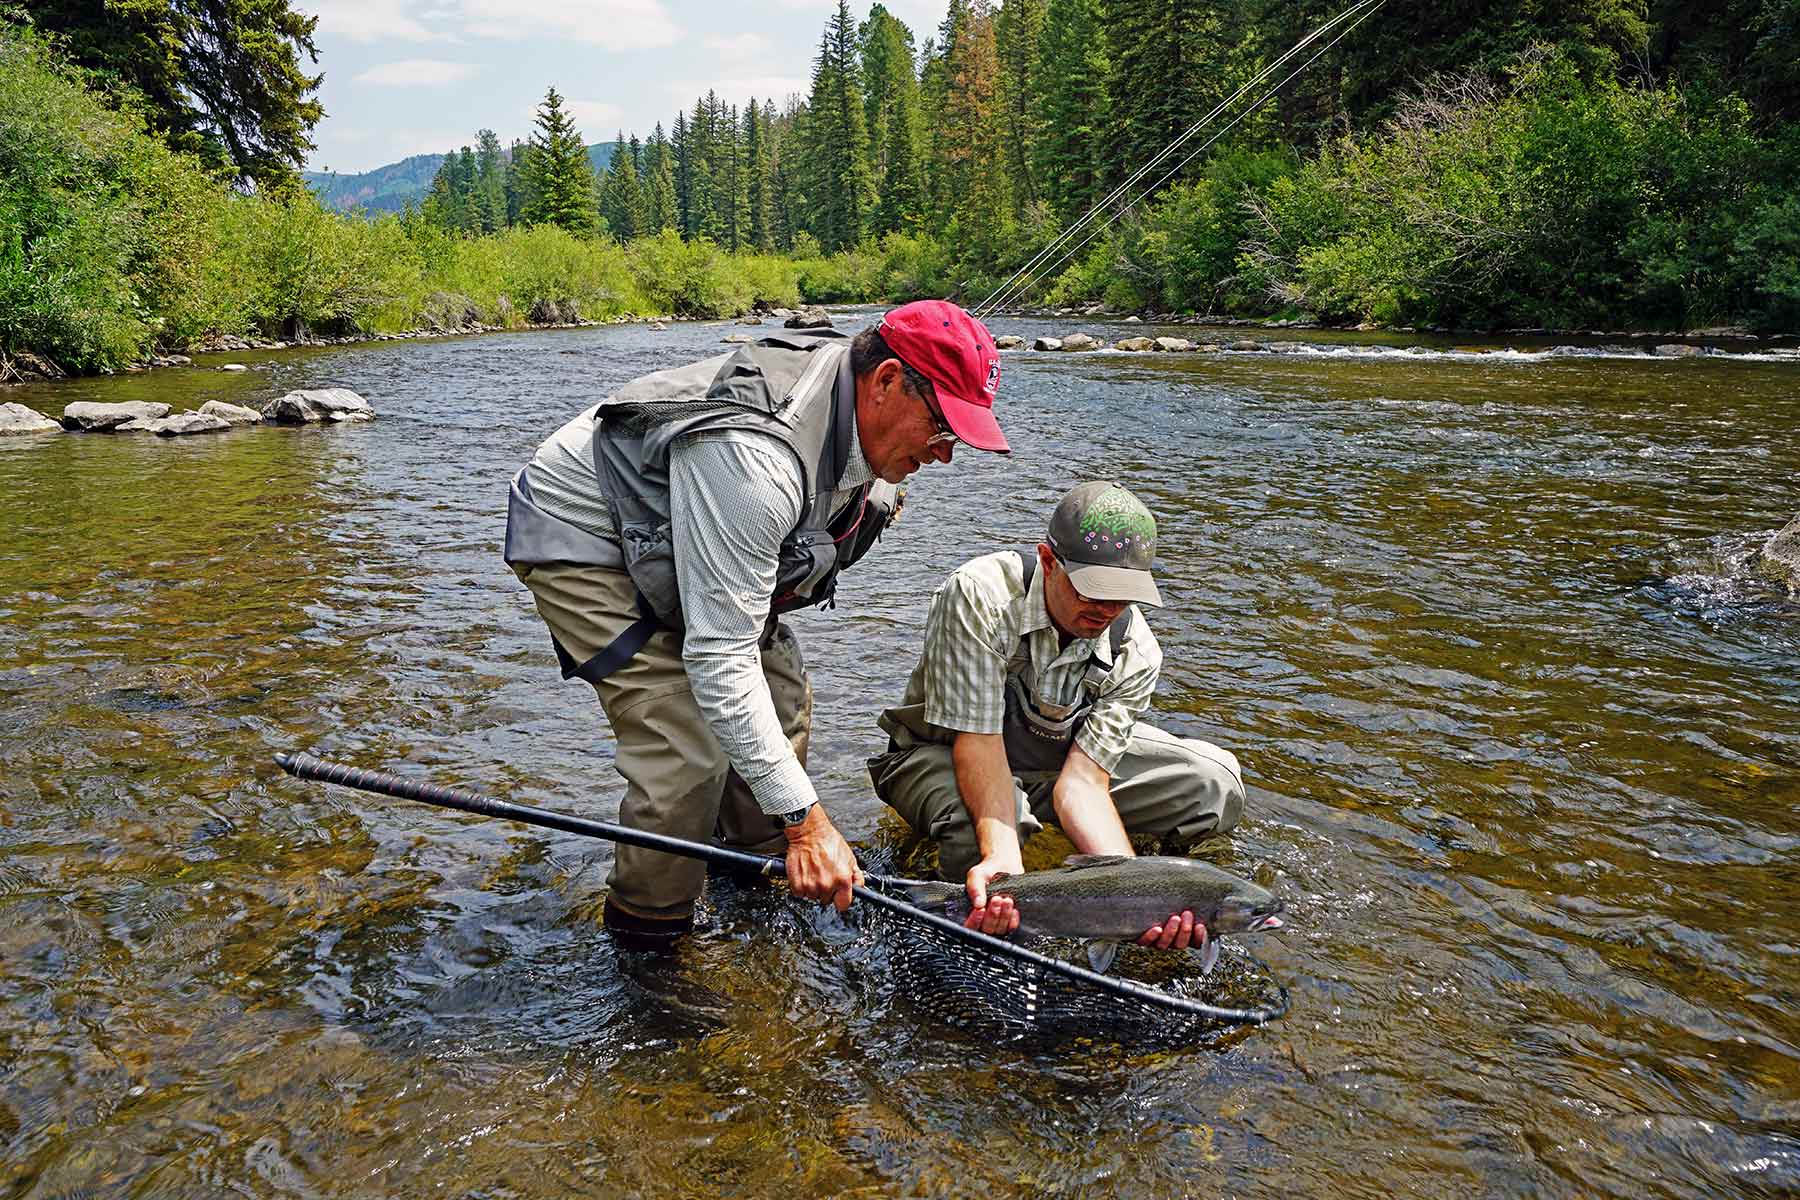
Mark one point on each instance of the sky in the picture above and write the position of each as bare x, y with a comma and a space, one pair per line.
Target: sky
406, 77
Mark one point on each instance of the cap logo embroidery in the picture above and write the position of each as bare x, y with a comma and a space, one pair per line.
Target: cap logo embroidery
993, 379
1116, 516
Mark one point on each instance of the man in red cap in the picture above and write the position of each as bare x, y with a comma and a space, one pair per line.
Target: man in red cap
664, 532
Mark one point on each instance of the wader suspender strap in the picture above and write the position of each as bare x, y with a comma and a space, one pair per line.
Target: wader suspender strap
618, 652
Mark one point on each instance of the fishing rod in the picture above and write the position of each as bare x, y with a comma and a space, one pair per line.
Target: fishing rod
306, 766
1354, 15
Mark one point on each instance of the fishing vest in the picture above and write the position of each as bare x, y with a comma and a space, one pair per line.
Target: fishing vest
1038, 736
797, 389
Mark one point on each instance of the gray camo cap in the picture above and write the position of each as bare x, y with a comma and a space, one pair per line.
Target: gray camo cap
1106, 540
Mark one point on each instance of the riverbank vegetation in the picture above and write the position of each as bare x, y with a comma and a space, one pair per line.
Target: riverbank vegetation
1602, 163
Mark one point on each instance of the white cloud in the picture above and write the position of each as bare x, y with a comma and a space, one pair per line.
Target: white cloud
609, 24
417, 72
367, 20
738, 46
597, 120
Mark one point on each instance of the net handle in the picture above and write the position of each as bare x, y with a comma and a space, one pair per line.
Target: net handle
306, 766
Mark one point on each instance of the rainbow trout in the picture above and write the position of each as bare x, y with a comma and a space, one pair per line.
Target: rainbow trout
1108, 899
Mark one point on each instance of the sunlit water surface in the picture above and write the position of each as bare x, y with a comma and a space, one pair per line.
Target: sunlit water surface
1520, 729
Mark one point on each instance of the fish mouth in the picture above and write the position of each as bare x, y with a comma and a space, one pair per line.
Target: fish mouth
1272, 921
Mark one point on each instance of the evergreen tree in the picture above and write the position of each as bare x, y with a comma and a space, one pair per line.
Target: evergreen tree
974, 197
682, 147
658, 182
892, 108
490, 183
621, 201
838, 137
218, 78
1169, 69
520, 188
561, 175
759, 229
1071, 104
1017, 29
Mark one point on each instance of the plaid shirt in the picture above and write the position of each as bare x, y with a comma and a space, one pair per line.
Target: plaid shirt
973, 633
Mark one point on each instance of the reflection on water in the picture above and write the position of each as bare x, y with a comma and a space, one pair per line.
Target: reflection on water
1518, 720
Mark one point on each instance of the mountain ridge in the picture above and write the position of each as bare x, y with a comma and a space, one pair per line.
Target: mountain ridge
392, 186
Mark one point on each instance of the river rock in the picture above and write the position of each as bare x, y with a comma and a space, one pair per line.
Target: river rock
1134, 320
1080, 341
1246, 344
85, 416
318, 404
1047, 343
750, 320
16, 418
1779, 559
1135, 344
810, 316
1172, 345
1009, 341
231, 414
739, 338
1677, 350
178, 425
234, 367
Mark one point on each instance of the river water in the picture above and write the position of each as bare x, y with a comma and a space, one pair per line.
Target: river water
1520, 732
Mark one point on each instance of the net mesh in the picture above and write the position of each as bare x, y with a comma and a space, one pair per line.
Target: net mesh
1003, 997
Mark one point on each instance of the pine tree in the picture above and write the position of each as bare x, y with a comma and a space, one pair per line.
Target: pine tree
620, 200
1171, 63
520, 187
682, 147
1071, 103
561, 175
892, 107
759, 232
975, 197
1017, 30
838, 138
658, 183
490, 183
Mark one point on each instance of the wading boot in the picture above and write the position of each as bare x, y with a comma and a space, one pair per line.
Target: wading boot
632, 932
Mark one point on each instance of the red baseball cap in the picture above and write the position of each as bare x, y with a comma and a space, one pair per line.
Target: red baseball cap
956, 352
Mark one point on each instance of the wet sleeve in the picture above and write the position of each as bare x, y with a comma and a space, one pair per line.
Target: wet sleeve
965, 678
732, 503
1124, 698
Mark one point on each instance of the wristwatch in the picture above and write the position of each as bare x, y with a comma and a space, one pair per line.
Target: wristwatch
789, 820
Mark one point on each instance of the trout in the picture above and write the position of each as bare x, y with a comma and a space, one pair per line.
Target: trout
1108, 899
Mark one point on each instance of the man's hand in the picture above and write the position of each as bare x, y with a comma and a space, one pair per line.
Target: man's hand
820, 865
992, 914
1177, 933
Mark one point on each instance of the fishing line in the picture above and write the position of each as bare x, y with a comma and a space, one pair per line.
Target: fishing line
306, 766
1354, 14
1198, 150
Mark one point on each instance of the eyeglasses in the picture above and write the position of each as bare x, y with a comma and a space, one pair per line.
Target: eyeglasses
944, 435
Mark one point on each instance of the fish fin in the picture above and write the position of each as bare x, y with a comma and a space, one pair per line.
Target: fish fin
1078, 862
1100, 955
1209, 956
926, 893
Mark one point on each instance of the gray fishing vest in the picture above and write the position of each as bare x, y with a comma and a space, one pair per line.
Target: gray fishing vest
1038, 737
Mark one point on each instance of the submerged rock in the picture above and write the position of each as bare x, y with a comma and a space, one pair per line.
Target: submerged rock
1779, 559
16, 418
739, 338
85, 416
318, 404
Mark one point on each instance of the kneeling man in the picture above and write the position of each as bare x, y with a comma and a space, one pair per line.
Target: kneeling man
1025, 708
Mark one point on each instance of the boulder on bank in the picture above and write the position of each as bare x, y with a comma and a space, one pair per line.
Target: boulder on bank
1135, 345
1009, 341
1779, 559
85, 416
317, 404
545, 311
178, 425
1047, 343
16, 418
1080, 341
231, 414
810, 316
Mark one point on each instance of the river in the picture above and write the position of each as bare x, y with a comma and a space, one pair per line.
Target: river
1520, 731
